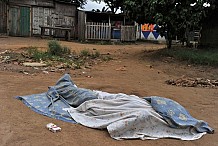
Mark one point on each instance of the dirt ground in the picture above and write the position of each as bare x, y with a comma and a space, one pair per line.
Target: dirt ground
129, 72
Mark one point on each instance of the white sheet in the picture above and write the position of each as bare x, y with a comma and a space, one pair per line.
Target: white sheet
127, 117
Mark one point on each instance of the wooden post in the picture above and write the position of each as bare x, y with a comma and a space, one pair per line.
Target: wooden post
68, 35
42, 32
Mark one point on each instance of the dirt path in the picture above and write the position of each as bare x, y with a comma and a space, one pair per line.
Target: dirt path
127, 73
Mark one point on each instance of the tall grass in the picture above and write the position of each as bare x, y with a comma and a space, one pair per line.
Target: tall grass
54, 52
194, 56
37, 55
88, 53
54, 48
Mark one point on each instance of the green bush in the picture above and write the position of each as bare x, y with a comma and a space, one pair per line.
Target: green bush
96, 54
92, 54
85, 53
54, 48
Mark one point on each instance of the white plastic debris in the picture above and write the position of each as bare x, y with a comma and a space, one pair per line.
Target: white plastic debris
53, 128
45, 72
34, 64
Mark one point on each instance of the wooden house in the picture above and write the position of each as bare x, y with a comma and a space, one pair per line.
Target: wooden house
61, 19
25, 18
105, 26
3, 18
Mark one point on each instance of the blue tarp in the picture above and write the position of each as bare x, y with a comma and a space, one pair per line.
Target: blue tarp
41, 104
64, 94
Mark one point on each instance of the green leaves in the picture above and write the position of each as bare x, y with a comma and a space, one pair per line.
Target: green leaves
173, 16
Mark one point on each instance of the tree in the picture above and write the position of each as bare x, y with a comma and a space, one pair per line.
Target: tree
174, 17
209, 31
113, 5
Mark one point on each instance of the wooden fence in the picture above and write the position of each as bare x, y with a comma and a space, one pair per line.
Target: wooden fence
98, 31
128, 33
102, 31
3, 17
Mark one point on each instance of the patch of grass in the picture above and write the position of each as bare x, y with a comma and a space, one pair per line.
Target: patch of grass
95, 54
194, 56
88, 53
56, 54
66, 50
54, 48
107, 58
104, 42
85, 53
37, 55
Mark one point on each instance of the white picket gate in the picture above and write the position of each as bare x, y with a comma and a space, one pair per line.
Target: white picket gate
98, 31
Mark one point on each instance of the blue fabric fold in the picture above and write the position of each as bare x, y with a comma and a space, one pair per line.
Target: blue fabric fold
176, 115
64, 94
53, 108
73, 95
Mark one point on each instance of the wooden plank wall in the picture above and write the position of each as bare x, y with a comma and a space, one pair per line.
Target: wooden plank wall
22, 2
3, 18
19, 21
128, 33
41, 16
81, 25
62, 15
65, 9
44, 3
98, 31
24, 20
13, 21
